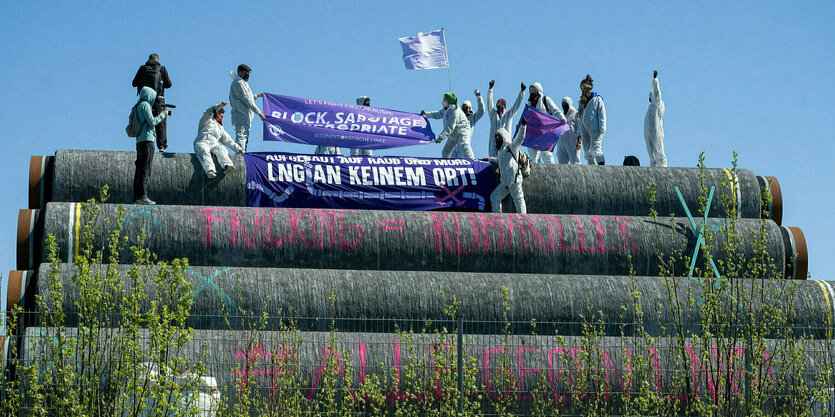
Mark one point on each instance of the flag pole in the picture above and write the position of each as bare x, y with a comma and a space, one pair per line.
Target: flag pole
446, 55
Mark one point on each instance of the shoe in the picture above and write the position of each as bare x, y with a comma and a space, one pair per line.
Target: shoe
229, 169
162, 150
144, 201
211, 175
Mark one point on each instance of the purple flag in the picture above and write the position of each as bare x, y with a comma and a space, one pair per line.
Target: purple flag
328, 123
543, 130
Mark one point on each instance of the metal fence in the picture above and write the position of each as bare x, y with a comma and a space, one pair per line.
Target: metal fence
342, 366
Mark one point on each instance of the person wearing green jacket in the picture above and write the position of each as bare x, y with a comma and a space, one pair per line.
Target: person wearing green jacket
145, 144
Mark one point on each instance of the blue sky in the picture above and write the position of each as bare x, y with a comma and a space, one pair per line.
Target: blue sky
754, 77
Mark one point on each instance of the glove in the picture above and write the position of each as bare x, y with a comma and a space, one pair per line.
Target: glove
439, 140
524, 122
492, 82
523, 86
485, 159
477, 93
655, 74
423, 113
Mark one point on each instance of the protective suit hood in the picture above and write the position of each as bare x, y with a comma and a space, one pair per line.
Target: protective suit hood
538, 88
148, 94
361, 100
567, 100
505, 136
234, 76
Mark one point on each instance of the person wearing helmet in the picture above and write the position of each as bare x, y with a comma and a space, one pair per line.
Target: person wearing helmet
456, 127
210, 140
538, 100
243, 105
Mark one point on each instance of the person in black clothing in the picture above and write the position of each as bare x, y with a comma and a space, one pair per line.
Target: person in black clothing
154, 75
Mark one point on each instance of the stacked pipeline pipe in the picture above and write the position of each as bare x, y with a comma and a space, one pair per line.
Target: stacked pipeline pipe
408, 241
373, 301
568, 260
178, 179
407, 364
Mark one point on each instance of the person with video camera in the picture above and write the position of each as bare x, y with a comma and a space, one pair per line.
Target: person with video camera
155, 76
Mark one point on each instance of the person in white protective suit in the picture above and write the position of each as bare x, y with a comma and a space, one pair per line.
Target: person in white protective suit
568, 147
540, 101
210, 135
472, 117
654, 125
456, 127
510, 177
499, 118
592, 116
361, 101
243, 105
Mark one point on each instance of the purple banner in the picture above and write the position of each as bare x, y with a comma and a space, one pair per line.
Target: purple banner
543, 130
367, 182
328, 123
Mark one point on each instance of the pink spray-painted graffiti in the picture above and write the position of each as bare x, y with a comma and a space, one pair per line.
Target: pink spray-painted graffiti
456, 233
528, 232
325, 228
526, 367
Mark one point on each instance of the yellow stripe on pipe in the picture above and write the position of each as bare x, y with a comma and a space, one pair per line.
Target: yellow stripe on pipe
828, 307
732, 180
77, 229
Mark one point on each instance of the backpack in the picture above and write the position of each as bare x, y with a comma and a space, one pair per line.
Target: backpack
134, 127
523, 162
151, 77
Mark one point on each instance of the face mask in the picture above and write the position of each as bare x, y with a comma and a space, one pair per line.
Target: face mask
445, 104
565, 107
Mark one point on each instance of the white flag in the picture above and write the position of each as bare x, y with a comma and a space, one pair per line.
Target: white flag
425, 51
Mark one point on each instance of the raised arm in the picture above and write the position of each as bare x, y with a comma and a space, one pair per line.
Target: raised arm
490, 108
480, 112
518, 139
516, 104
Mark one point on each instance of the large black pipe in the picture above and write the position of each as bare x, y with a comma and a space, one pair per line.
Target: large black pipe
178, 179
373, 301
414, 363
401, 240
